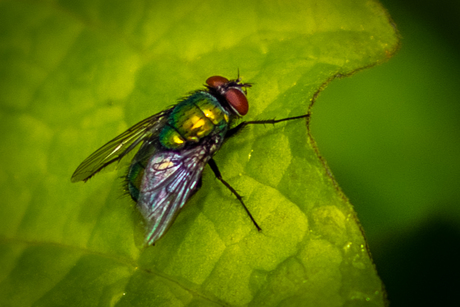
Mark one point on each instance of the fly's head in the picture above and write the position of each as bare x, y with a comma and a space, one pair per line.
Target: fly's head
233, 91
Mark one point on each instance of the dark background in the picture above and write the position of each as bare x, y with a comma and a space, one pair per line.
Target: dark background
391, 137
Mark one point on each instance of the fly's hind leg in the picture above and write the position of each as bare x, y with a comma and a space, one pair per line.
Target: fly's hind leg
216, 171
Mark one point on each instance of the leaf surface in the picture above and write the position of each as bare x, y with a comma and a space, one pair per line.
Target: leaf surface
77, 73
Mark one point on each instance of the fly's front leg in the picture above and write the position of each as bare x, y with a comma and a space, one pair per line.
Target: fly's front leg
242, 125
216, 171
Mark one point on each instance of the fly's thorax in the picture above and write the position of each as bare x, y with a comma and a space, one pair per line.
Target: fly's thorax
194, 119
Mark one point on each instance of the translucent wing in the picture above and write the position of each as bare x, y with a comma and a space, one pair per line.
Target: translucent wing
170, 179
117, 148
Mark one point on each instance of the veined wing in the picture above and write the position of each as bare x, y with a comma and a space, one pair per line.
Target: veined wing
117, 148
170, 179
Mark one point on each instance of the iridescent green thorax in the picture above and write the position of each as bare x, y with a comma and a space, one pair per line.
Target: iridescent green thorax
193, 119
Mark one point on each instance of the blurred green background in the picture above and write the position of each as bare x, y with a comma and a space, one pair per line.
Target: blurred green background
391, 137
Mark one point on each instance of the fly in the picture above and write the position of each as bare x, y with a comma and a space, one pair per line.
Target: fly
176, 144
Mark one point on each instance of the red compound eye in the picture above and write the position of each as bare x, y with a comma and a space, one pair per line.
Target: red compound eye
216, 81
237, 100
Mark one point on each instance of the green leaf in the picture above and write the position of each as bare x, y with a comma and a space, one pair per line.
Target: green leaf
77, 73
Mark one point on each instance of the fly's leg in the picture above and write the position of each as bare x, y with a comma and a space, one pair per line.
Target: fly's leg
233, 132
242, 125
216, 171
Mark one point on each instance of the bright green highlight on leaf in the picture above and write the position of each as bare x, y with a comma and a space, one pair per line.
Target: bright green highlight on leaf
77, 73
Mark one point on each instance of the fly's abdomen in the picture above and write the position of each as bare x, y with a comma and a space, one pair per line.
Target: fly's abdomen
134, 179
193, 119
